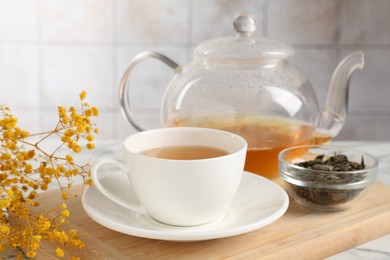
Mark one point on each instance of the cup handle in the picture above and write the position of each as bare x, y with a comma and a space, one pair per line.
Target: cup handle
106, 192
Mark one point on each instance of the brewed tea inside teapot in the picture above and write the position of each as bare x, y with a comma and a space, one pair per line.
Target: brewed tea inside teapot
245, 85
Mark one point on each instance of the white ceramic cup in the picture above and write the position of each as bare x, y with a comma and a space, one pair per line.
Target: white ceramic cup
179, 192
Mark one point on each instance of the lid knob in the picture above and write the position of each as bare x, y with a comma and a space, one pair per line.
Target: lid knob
244, 24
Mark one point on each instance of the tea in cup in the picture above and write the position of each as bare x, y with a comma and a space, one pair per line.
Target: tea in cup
183, 176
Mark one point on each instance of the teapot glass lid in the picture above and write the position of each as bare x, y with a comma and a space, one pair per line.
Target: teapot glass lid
243, 47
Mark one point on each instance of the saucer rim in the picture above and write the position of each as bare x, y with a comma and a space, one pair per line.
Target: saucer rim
191, 233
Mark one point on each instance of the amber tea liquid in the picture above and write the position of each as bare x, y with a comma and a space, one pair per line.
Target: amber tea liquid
266, 137
184, 152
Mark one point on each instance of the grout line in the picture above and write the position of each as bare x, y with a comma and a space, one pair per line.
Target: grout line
190, 24
146, 44
380, 113
19, 42
88, 44
265, 18
147, 110
115, 102
41, 90
344, 8
340, 5
369, 113
54, 108
189, 44
339, 38
342, 46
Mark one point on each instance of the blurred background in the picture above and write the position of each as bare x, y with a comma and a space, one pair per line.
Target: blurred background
51, 50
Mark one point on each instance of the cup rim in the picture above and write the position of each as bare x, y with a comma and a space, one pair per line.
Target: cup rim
244, 144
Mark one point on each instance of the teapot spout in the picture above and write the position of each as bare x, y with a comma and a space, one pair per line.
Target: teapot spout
332, 118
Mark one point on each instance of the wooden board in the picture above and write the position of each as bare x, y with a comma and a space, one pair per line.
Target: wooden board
299, 234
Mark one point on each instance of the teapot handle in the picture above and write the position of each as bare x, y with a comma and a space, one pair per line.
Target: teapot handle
124, 87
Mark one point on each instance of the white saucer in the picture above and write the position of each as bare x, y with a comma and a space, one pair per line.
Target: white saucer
258, 203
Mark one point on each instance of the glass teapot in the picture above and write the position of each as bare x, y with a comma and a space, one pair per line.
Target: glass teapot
246, 85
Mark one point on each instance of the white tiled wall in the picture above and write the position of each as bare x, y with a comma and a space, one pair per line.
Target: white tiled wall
51, 50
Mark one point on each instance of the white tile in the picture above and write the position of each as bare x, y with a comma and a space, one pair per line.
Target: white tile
19, 74
304, 21
148, 119
124, 128
366, 22
151, 77
370, 88
76, 20
152, 21
214, 19
68, 70
317, 65
18, 20
368, 92
371, 127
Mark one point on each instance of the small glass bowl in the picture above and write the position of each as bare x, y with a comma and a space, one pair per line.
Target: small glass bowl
325, 190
